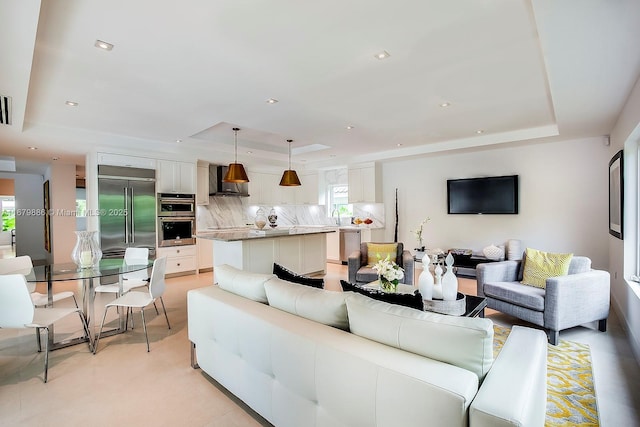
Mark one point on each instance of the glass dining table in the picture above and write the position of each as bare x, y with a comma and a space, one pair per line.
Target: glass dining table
55, 273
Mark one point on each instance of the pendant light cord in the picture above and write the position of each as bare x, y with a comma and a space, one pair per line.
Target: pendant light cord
289, 141
235, 131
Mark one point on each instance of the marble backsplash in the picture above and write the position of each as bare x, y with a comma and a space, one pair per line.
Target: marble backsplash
230, 212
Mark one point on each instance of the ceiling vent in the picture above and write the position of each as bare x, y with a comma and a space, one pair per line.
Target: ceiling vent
5, 110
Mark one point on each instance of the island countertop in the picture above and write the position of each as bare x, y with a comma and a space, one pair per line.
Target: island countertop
252, 234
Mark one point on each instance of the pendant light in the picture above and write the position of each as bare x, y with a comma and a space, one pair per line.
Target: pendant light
290, 177
236, 172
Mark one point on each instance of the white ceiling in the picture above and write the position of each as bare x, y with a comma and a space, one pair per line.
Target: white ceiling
191, 70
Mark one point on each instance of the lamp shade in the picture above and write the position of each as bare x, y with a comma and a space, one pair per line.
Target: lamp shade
289, 179
236, 173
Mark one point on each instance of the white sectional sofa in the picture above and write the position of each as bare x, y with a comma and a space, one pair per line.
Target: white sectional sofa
301, 356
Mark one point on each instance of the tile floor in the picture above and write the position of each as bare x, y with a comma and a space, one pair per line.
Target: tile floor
124, 385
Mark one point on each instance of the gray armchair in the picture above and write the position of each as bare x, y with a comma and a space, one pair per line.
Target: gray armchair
580, 297
359, 273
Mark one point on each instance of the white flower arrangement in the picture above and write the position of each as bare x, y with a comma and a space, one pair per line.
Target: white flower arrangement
418, 233
390, 271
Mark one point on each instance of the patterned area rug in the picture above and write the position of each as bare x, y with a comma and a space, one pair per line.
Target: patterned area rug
571, 397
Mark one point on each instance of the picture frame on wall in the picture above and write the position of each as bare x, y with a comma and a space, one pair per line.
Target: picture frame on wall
616, 195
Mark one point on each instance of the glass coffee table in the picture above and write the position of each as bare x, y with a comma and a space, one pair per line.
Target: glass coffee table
474, 305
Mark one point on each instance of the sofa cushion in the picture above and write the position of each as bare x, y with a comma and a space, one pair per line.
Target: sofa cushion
461, 341
243, 283
408, 300
288, 275
378, 251
516, 293
579, 264
322, 306
539, 266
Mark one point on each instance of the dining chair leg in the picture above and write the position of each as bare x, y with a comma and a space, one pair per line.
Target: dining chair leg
95, 346
38, 340
144, 325
75, 301
154, 304
165, 312
46, 356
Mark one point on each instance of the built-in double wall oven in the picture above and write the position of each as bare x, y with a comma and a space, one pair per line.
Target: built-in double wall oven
176, 219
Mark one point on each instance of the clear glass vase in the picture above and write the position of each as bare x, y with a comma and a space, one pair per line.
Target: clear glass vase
86, 253
387, 285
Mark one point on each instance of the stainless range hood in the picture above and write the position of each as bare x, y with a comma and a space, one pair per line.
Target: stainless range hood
219, 188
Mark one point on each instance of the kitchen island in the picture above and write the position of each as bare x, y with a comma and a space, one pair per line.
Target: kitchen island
300, 249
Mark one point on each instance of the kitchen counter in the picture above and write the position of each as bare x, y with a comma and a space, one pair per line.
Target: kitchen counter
251, 234
301, 249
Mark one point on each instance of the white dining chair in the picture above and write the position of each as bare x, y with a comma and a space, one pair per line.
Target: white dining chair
138, 299
18, 312
132, 280
23, 265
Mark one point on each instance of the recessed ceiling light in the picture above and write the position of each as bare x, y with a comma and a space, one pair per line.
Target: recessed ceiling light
103, 45
271, 101
398, 145
33, 148
382, 55
71, 103
178, 141
249, 152
350, 127
479, 131
445, 104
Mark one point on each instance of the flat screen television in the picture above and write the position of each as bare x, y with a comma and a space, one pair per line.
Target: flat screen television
488, 195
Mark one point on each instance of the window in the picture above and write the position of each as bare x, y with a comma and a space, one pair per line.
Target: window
81, 202
8, 205
339, 201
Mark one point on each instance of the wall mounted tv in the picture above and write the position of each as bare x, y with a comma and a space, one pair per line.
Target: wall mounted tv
488, 195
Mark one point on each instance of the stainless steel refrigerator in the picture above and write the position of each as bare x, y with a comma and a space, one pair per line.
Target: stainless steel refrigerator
127, 203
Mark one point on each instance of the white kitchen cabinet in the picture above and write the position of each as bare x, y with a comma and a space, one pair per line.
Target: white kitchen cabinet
307, 193
126, 161
283, 195
365, 184
333, 247
175, 177
314, 253
180, 259
265, 189
205, 254
202, 184
304, 254
262, 189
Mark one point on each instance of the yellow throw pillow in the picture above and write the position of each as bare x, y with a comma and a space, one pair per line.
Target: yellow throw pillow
378, 251
539, 266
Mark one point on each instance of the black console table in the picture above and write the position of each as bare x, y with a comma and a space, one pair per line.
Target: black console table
466, 265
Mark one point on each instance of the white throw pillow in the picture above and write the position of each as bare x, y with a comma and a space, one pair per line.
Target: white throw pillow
460, 341
243, 283
319, 305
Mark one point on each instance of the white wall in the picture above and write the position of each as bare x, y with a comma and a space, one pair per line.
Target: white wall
62, 187
563, 198
622, 253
